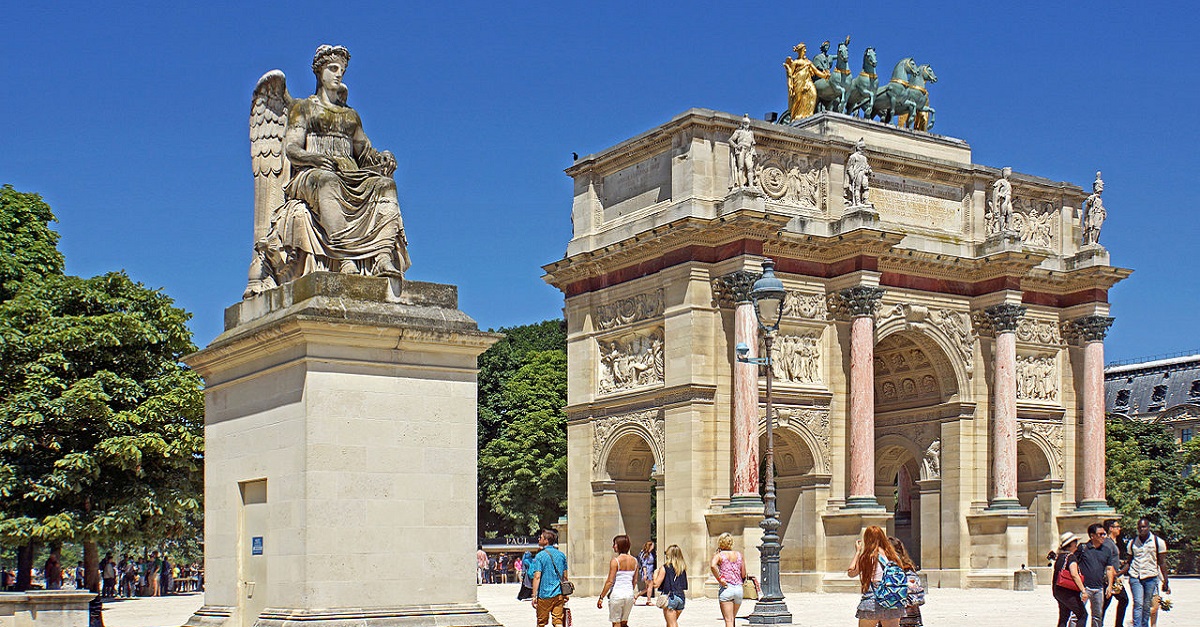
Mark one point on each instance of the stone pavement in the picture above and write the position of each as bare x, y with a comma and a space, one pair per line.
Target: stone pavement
977, 608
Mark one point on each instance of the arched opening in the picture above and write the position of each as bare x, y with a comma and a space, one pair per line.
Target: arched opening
795, 498
1035, 484
913, 377
634, 480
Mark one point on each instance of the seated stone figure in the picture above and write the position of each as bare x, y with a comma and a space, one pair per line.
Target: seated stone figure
329, 195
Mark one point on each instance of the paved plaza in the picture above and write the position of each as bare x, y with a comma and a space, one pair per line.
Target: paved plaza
950, 606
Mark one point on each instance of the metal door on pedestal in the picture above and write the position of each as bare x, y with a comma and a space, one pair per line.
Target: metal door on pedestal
252, 559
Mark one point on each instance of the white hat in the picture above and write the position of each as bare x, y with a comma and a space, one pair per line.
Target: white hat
1066, 538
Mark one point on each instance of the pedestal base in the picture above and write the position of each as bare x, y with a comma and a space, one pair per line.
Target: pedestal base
858, 217
770, 613
999, 546
462, 615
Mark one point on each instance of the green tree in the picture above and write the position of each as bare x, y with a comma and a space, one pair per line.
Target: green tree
101, 427
28, 246
1145, 477
499, 362
523, 471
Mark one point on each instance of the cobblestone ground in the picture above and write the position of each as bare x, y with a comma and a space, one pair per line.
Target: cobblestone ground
974, 608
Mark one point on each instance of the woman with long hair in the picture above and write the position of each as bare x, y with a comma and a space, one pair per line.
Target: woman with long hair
621, 569
873, 551
912, 611
671, 581
646, 562
1069, 601
730, 570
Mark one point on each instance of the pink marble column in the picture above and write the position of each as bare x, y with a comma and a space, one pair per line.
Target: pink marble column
1092, 330
735, 288
1004, 319
861, 302
745, 406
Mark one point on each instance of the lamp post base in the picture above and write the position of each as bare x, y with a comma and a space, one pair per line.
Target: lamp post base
771, 613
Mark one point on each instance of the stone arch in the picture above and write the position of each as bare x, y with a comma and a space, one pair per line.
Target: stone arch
911, 370
1038, 479
899, 467
1039, 456
794, 424
801, 486
953, 356
893, 451
608, 432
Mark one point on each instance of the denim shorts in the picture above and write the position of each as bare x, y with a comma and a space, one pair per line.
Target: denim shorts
676, 602
734, 593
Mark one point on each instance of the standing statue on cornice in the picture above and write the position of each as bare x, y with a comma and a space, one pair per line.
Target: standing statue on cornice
742, 156
330, 195
802, 93
1000, 209
857, 182
1094, 213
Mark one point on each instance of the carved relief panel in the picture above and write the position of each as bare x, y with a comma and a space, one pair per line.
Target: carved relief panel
1034, 331
629, 310
805, 305
797, 358
1034, 220
631, 360
800, 180
1037, 378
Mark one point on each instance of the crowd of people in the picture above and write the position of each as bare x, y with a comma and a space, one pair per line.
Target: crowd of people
148, 576
1089, 575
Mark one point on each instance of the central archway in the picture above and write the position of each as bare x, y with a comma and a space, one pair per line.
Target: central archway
634, 478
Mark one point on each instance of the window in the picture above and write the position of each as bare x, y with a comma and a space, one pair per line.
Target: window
1158, 398
1195, 391
1185, 435
1122, 398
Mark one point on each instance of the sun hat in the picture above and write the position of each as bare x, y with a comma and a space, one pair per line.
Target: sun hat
1066, 538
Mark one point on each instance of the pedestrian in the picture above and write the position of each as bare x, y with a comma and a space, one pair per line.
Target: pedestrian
873, 551
490, 575
108, 573
916, 592
671, 581
646, 560
1147, 562
1068, 588
549, 573
730, 570
1098, 566
53, 572
526, 591
165, 582
519, 567
481, 561
1112, 527
79, 576
618, 587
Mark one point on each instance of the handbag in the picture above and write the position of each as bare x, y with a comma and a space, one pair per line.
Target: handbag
750, 588
1064, 578
661, 601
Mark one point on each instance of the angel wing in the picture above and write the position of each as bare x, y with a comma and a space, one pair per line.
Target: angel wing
268, 122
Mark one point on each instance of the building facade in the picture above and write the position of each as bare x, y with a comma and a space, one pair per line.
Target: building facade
936, 373
1165, 391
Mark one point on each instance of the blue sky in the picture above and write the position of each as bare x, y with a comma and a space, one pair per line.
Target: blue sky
130, 119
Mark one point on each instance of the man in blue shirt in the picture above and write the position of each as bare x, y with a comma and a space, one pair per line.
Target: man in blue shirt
549, 571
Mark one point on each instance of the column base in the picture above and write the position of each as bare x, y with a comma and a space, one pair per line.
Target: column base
744, 502
770, 613
1097, 507
456, 615
864, 503
1006, 505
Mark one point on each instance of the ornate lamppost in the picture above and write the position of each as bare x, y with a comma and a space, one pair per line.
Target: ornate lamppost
768, 295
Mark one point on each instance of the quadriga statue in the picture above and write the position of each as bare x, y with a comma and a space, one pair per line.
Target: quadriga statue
329, 195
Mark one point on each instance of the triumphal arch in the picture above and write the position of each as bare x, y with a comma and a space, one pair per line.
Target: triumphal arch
938, 370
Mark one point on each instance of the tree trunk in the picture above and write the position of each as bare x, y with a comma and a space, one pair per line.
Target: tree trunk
91, 566
25, 566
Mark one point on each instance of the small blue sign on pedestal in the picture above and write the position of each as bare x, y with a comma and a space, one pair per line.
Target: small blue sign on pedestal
256, 545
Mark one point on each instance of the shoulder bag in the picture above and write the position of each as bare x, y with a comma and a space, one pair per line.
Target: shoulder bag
567, 587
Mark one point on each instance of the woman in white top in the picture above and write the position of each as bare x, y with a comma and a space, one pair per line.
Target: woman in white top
621, 569
730, 570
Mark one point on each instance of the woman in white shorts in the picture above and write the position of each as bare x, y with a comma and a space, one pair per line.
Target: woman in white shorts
619, 585
730, 570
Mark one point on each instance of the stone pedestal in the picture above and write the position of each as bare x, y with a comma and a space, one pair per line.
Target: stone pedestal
45, 608
999, 547
842, 529
340, 463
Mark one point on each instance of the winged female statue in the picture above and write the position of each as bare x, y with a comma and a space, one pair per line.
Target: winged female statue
324, 198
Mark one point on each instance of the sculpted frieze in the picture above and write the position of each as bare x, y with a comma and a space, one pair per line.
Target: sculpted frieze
1037, 331
629, 310
806, 306
796, 358
649, 422
800, 180
1037, 377
632, 361
1049, 432
1034, 220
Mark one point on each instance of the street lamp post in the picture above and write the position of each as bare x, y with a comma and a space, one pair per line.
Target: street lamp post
768, 295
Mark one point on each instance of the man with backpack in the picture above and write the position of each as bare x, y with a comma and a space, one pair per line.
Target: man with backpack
1147, 561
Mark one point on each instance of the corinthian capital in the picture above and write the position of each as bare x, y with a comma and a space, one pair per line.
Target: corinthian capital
1004, 317
1092, 328
859, 300
735, 287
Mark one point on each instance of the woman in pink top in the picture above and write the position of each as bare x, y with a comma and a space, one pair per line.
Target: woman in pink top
730, 570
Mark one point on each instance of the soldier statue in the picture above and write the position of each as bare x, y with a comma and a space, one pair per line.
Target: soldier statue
1001, 208
742, 156
857, 181
1094, 214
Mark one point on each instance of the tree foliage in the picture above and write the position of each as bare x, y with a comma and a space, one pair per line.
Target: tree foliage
101, 427
1146, 477
522, 429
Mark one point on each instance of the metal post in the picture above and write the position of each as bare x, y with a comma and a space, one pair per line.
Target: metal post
770, 608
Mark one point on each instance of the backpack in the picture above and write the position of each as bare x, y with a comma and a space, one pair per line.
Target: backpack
892, 590
916, 592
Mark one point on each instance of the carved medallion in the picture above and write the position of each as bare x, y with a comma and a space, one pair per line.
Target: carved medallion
806, 306
774, 181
